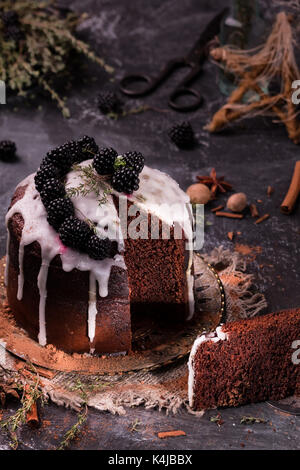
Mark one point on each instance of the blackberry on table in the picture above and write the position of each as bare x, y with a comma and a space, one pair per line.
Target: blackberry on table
12, 29
104, 161
98, 248
135, 160
108, 102
52, 189
44, 173
7, 150
75, 233
59, 210
9, 17
182, 134
125, 180
88, 147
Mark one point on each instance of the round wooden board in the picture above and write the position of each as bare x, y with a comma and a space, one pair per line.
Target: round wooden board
154, 345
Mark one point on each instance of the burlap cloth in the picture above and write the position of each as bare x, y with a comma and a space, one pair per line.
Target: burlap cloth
163, 388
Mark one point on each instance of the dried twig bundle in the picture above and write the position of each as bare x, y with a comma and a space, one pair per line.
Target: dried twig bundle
255, 70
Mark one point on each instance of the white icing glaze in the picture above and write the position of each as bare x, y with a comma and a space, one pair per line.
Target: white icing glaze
155, 187
7, 259
214, 336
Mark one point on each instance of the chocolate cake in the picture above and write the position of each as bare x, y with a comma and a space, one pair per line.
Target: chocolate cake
82, 299
245, 361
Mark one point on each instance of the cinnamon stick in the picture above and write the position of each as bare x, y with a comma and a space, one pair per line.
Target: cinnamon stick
253, 210
230, 215
163, 435
293, 192
270, 190
32, 417
218, 208
230, 235
261, 219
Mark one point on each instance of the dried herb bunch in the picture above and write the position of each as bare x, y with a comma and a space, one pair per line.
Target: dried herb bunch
35, 44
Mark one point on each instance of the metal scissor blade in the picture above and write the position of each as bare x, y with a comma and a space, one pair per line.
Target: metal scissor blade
212, 29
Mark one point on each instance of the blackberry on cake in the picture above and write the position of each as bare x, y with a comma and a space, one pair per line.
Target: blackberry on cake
104, 160
75, 233
58, 211
52, 189
88, 146
44, 173
125, 180
98, 248
7, 150
60, 158
135, 160
108, 102
182, 134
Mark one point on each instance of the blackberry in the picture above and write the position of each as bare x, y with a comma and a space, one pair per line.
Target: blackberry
12, 30
9, 17
14, 33
59, 158
182, 134
125, 180
7, 150
58, 210
52, 189
72, 152
98, 248
135, 159
108, 102
44, 173
88, 147
75, 233
104, 161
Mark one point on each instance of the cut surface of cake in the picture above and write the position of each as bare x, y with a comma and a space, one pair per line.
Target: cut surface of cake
79, 294
245, 362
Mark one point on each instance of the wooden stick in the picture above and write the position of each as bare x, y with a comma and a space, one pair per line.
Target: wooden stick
229, 215
261, 219
218, 208
290, 199
163, 435
253, 210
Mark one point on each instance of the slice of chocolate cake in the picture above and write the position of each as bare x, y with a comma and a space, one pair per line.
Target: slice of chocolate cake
245, 362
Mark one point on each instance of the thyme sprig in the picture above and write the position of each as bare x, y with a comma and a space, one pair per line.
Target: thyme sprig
43, 53
91, 183
74, 430
14, 422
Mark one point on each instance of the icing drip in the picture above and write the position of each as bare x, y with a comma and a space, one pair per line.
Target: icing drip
92, 311
21, 273
214, 336
7, 259
42, 285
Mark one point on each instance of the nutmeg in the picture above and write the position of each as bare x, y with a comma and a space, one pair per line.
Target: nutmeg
199, 193
237, 202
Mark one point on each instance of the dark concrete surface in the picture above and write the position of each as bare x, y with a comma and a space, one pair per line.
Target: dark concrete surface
139, 36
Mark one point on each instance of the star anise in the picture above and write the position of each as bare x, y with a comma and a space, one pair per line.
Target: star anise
216, 184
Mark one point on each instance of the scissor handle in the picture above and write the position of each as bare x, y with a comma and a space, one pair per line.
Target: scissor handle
135, 79
151, 82
181, 92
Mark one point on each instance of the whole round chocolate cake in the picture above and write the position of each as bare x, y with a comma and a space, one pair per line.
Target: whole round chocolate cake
93, 238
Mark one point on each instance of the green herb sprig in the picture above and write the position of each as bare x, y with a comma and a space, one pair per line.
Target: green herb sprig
43, 52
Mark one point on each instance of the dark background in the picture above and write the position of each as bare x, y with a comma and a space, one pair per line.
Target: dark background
135, 36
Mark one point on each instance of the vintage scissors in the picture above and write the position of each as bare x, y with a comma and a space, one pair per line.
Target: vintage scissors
131, 84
